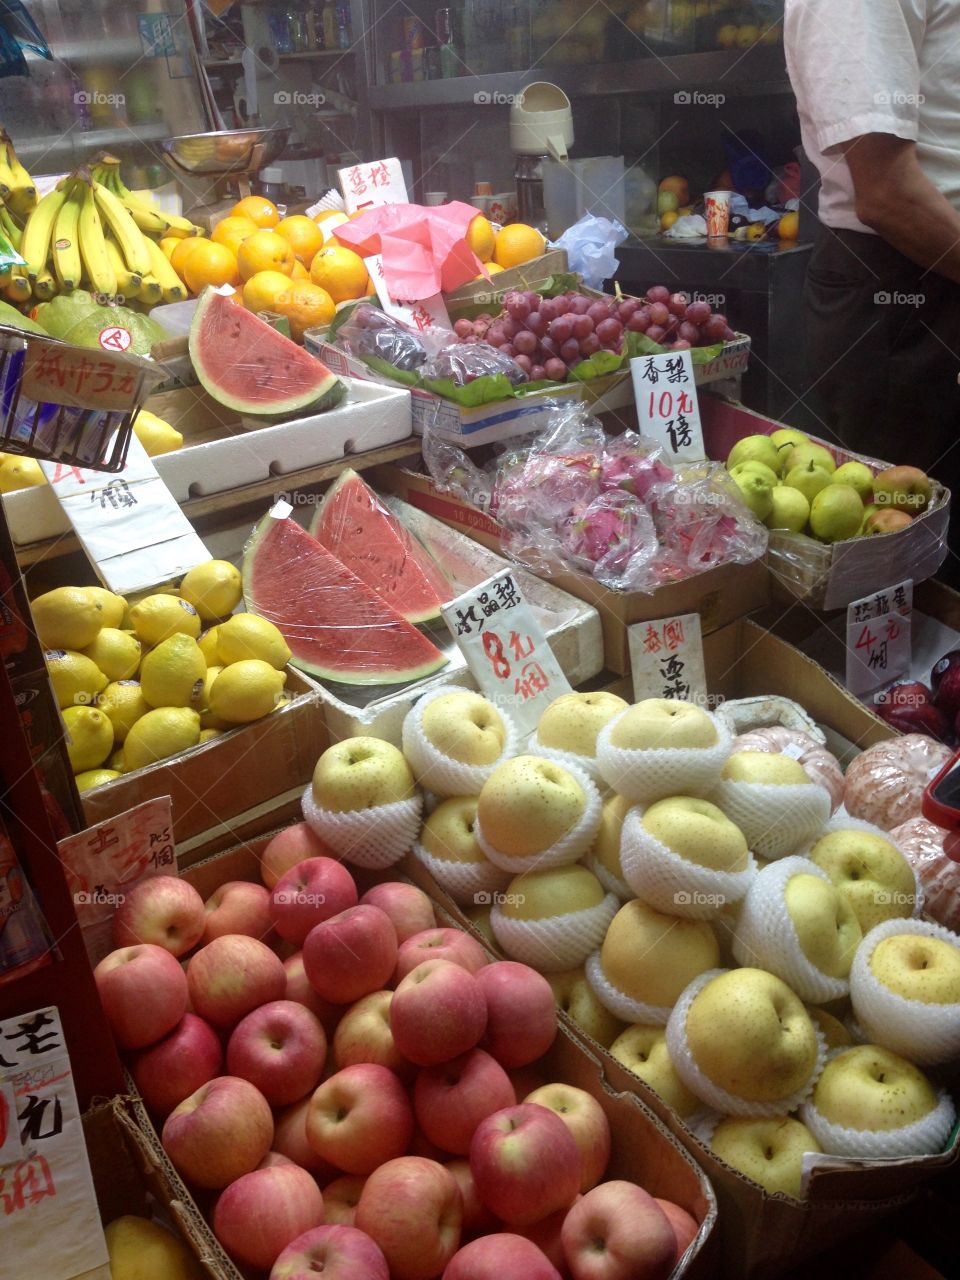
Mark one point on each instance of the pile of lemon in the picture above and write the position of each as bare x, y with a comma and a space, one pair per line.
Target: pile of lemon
141, 681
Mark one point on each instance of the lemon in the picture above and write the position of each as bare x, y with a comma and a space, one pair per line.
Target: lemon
246, 635
172, 674
207, 719
113, 606
157, 617
19, 473
208, 646
117, 761
207, 734
155, 435
67, 618
214, 589
123, 704
116, 653
245, 691
90, 737
91, 778
75, 678
159, 734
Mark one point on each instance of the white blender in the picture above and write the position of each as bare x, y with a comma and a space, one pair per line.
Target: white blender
541, 128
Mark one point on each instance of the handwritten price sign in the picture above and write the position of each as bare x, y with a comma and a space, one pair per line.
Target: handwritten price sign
879, 644
666, 657
506, 649
667, 405
57, 374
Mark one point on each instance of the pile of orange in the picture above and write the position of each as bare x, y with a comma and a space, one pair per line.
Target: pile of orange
513, 245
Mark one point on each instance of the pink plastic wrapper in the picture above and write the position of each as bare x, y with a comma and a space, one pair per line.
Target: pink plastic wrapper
921, 843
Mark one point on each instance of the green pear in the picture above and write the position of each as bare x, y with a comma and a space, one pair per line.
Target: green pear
756, 448
758, 468
756, 492
856, 474
809, 479
667, 202
868, 511
790, 510
785, 438
800, 454
836, 513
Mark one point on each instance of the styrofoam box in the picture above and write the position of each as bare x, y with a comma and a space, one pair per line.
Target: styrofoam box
371, 416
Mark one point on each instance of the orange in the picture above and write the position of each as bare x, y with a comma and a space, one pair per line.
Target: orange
261, 291
299, 272
258, 209
305, 305
518, 243
304, 236
168, 244
677, 186
668, 219
210, 264
492, 269
233, 231
789, 226
328, 220
341, 272
480, 238
180, 256
264, 251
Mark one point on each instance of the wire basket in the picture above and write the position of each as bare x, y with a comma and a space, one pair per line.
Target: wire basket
62, 403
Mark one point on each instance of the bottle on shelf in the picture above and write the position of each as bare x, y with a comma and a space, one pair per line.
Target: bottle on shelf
297, 22
344, 32
331, 33
280, 29
314, 28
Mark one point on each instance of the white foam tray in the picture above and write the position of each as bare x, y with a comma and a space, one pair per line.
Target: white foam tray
371, 416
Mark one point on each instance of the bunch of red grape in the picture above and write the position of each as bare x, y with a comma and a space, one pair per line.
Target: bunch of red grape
548, 337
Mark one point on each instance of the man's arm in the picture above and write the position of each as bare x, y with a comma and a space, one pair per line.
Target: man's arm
901, 205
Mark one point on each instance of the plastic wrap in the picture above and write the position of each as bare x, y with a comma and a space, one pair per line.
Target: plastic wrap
464, 362
590, 246
816, 761
885, 783
380, 341
921, 843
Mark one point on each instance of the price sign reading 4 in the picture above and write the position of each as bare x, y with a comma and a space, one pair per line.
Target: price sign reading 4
505, 648
878, 638
667, 405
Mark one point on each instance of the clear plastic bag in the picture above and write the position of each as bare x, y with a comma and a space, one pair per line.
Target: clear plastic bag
371, 335
464, 362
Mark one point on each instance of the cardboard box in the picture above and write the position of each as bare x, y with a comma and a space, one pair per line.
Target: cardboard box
488, 293
719, 596
830, 577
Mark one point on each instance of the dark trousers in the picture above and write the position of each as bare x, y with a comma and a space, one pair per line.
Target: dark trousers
883, 354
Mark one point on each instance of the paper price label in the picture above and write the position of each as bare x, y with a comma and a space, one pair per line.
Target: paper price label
427, 313
667, 406
879, 645
58, 374
505, 649
373, 183
666, 657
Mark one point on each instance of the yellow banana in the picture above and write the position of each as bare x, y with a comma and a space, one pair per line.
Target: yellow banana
23, 194
9, 227
174, 290
148, 216
150, 291
35, 244
7, 180
93, 248
65, 242
44, 287
128, 282
133, 244
18, 290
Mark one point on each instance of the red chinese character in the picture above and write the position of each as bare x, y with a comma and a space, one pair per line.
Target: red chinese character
421, 318
102, 838
49, 369
357, 184
893, 628
651, 641
521, 648
63, 471
673, 634
80, 374
684, 403
379, 174
104, 379
867, 639
30, 1182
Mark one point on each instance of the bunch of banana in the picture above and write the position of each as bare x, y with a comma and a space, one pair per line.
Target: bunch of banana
151, 220
16, 186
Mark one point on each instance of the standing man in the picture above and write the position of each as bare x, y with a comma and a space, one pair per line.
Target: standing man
878, 92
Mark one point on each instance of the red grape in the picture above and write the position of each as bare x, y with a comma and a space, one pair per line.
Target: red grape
525, 342
570, 350
582, 325
689, 333
463, 328
495, 336
678, 303
639, 321
551, 308
524, 362
590, 345
729, 334
550, 347
579, 305
555, 370
698, 312
655, 333
517, 305
508, 349
536, 324
533, 299
562, 328
599, 311
627, 308
510, 326
537, 373
680, 345
609, 331
659, 314
659, 293
715, 328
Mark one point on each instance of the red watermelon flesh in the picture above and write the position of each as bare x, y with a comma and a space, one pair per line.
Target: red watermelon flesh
246, 365
336, 627
354, 524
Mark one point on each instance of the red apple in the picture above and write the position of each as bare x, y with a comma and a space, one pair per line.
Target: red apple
143, 992
219, 1133
290, 1140
287, 848
233, 975
165, 911
281, 1048
521, 1013
685, 1226
338, 1252
546, 1235
264, 1211
176, 1066
477, 1218
440, 944
407, 906
273, 1160
308, 894
239, 906
438, 1012
618, 1232
411, 1208
360, 1118
904, 488
341, 1197
945, 682
588, 1125
363, 1035
500, 1257
925, 718
351, 954
300, 991
452, 1098
525, 1163
886, 520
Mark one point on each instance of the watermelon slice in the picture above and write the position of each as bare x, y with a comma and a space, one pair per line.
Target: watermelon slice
250, 367
336, 627
354, 525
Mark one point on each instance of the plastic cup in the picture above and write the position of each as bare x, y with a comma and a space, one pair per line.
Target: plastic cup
717, 212
434, 197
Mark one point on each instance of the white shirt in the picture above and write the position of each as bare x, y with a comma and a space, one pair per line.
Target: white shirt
875, 66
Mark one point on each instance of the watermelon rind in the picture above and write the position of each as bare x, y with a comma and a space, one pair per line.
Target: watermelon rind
246, 365
418, 587
355, 612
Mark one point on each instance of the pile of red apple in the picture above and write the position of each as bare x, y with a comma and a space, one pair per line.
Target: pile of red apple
910, 706
368, 1107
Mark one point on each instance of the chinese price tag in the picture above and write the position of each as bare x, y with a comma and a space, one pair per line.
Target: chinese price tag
878, 638
505, 649
667, 405
105, 861
55, 373
373, 183
49, 1220
425, 314
666, 658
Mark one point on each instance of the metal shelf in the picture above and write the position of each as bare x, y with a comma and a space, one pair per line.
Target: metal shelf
90, 140
314, 55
